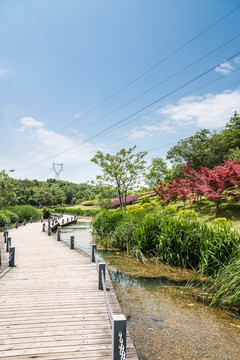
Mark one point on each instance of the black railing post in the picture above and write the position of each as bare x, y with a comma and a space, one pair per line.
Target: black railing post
12, 257
5, 236
24, 222
72, 243
101, 268
59, 235
8, 244
16, 225
118, 336
94, 248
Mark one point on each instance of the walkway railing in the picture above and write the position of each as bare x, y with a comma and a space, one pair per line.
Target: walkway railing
10, 261
117, 321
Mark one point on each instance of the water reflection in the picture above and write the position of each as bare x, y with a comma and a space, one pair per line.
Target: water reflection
144, 282
81, 232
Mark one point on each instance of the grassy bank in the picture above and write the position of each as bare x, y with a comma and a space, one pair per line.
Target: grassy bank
178, 238
18, 213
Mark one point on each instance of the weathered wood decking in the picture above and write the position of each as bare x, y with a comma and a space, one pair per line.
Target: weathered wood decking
50, 307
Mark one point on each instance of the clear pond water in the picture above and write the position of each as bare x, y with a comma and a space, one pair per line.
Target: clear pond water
163, 321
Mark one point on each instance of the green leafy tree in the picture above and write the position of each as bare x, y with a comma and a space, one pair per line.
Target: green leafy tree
7, 193
194, 149
156, 171
234, 154
121, 170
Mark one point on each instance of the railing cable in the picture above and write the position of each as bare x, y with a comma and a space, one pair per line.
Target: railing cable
109, 310
3, 267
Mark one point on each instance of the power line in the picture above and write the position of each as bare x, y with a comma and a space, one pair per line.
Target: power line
100, 133
158, 84
152, 88
158, 63
166, 117
148, 71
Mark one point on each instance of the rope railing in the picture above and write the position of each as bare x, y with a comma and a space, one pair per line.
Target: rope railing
3, 267
96, 260
11, 250
117, 322
81, 247
109, 310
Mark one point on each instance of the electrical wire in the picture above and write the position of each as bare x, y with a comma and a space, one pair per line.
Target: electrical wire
146, 72
102, 132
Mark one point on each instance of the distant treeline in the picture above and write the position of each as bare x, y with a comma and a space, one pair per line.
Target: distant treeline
44, 193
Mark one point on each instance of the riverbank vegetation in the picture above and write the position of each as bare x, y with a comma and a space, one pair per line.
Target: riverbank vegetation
18, 213
177, 238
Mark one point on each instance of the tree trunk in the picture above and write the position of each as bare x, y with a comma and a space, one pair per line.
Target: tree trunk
217, 209
120, 198
125, 200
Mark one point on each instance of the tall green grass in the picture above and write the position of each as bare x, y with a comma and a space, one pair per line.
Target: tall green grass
175, 241
77, 211
226, 285
26, 212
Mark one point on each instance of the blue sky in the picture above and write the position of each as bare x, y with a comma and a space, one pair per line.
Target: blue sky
73, 74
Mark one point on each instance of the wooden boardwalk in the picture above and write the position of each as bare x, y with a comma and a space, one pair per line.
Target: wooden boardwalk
50, 305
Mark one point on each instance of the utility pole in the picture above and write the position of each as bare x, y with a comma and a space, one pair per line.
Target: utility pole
57, 168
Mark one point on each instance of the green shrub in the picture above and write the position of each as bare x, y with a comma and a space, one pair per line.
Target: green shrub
105, 203
222, 222
11, 215
46, 212
145, 200
170, 209
26, 212
89, 203
188, 214
4, 219
77, 211
105, 222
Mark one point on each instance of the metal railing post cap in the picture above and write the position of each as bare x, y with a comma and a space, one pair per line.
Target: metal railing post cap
119, 336
102, 268
94, 248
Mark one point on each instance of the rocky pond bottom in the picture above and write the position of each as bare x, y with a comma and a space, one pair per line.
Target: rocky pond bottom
164, 320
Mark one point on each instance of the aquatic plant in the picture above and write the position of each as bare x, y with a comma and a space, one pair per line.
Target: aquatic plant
226, 285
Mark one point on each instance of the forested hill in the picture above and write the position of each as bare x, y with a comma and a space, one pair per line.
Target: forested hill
50, 192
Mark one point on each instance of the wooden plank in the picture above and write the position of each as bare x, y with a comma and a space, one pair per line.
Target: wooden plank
50, 305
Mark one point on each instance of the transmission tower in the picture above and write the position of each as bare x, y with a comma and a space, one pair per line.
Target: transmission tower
57, 168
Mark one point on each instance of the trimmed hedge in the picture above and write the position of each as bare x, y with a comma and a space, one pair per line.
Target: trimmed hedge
79, 212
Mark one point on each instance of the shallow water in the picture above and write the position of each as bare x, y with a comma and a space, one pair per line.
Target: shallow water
165, 321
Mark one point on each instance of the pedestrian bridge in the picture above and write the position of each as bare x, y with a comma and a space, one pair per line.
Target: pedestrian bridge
50, 303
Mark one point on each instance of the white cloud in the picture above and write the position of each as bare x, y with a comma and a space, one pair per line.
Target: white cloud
49, 143
139, 133
237, 60
149, 130
2, 71
30, 122
209, 111
77, 116
225, 68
